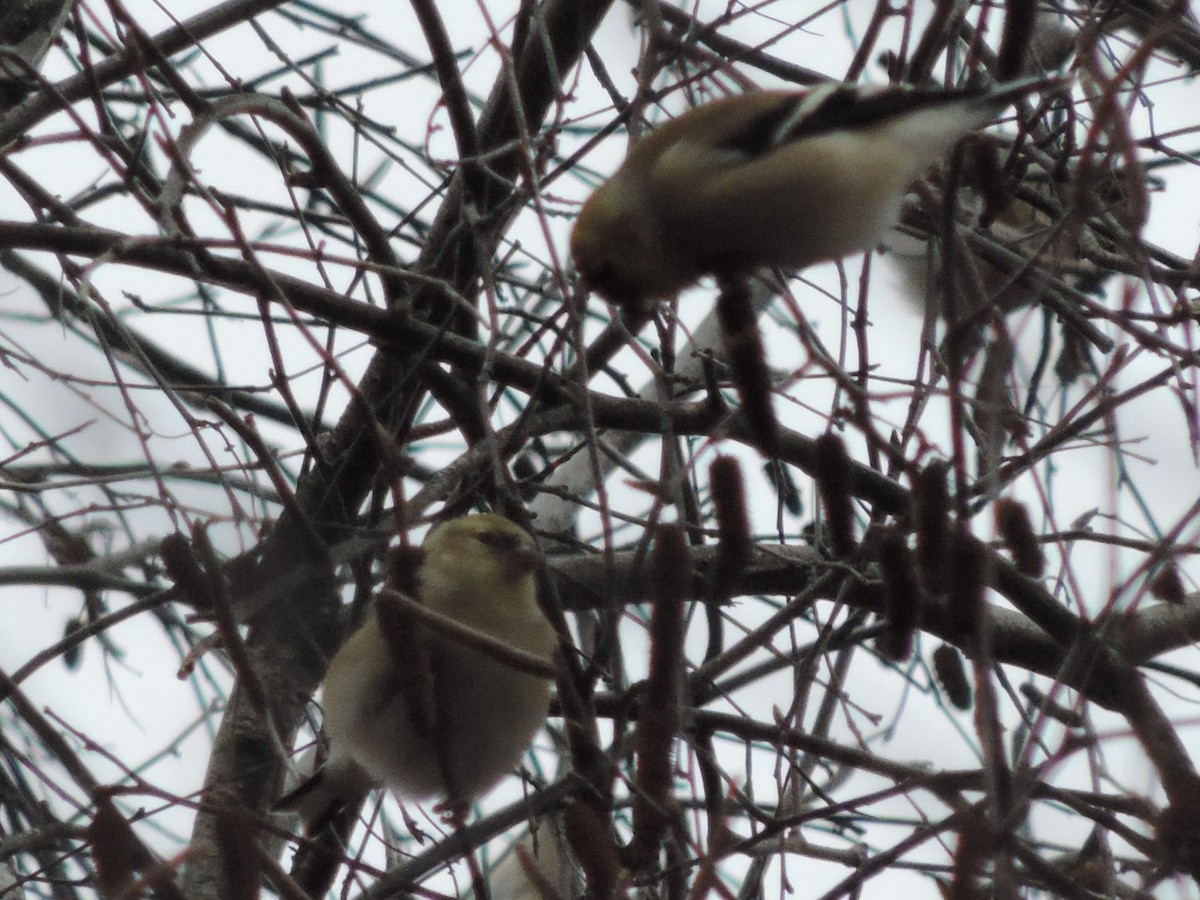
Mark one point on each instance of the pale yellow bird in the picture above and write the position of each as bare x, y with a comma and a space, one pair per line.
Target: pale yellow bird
478, 572
768, 178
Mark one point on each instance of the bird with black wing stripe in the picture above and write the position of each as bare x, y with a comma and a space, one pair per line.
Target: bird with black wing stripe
768, 178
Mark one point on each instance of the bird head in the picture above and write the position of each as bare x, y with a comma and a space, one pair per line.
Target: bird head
613, 248
478, 556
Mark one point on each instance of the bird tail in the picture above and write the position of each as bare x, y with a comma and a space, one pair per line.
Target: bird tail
319, 798
937, 119
999, 96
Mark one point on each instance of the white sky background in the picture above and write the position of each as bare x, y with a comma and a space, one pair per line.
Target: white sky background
136, 708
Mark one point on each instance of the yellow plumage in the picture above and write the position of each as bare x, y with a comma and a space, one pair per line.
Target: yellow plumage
477, 571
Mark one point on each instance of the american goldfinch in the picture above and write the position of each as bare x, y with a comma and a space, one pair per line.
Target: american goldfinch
478, 572
767, 178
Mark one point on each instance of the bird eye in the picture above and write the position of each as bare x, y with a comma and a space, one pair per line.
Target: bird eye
498, 540
606, 280
602, 276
